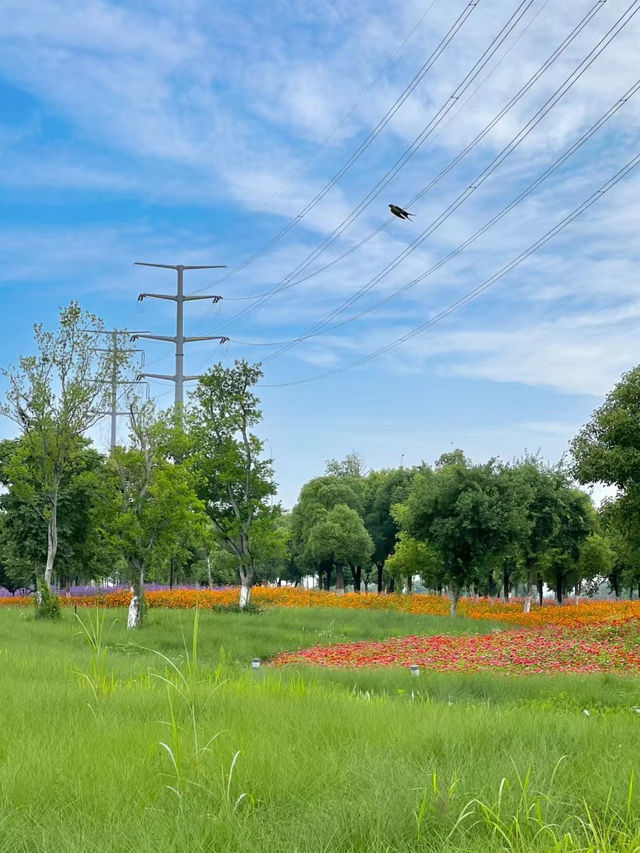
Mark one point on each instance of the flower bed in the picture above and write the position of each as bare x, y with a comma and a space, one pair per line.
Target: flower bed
613, 647
584, 613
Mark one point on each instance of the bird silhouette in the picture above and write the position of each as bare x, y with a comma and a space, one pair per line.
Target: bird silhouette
400, 212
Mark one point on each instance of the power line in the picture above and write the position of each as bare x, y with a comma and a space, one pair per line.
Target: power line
468, 148
588, 134
417, 143
452, 117
339, 124
178, 378
417, 79
522, 134
481, 288
488, 225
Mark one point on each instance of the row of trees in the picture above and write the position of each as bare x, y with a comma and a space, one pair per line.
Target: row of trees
455, 526
485, 528
191, 498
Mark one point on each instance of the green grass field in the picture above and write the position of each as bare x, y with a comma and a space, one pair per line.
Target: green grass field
113, 747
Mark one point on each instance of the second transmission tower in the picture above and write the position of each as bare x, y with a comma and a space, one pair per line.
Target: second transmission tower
117, 353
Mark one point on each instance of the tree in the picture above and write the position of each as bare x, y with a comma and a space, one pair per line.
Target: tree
607, 449
382, 490
467, 513
54, 398
233, 481
412, 557
597, 558
539, 488
268, 541
152, 510
351, 466
340, 540
24, 544
317, 498
618, 524
575, 521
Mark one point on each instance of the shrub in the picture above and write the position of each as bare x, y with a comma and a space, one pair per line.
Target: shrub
47, 605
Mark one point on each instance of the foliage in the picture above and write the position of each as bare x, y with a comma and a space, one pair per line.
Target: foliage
47, 605
382, 490
54, 398
151, 512
341, 541
412, 557
232, 480
23, 528
466, 512
607, 449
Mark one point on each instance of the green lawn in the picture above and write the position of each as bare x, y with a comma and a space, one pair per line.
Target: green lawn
121, 752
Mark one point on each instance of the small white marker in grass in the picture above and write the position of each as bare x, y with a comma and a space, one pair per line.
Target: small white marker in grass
255, 663
415, 669
586, 713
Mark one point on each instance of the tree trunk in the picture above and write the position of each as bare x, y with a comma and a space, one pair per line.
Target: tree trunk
52, 541
455, 595
339, 580
630, 593
392, 584
616, 586
380, 568
246, 577
540, 589
409, 583
559, 580
357, 578
328, 583
136, 605
506, 582
209, 578
171, 574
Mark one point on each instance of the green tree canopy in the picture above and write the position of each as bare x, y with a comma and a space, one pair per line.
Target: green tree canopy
340, 540
233, 480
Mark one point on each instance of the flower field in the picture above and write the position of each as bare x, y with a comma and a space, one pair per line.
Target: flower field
584, 637
512, 611
608, 647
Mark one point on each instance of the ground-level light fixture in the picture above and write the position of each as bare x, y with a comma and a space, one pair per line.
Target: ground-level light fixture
255, 663
415, 669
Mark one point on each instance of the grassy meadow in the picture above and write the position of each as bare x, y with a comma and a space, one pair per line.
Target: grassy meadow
167, 740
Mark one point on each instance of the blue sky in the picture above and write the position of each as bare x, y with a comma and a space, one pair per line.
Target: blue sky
193, 132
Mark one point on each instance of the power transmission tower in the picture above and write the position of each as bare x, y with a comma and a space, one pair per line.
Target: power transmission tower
116, 353
179, 340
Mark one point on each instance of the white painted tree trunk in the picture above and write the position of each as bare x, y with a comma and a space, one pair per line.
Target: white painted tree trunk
245, 593
527, 604
133, 617
209, 578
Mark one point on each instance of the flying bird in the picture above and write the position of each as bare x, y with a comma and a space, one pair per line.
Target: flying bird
400, 212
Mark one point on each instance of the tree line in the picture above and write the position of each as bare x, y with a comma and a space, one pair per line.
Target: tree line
191, 498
